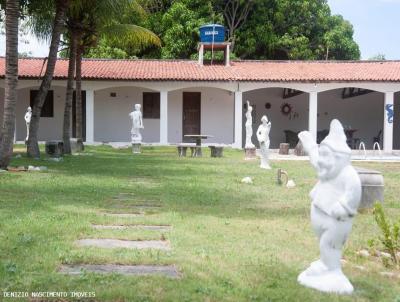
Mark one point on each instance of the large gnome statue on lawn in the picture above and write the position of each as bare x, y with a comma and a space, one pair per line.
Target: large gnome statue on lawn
335, 200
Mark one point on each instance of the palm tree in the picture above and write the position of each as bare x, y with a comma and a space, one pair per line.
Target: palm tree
87, 21
58, 25
11, 83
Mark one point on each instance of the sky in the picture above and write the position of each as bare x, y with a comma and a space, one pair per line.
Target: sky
376, 28
376, 25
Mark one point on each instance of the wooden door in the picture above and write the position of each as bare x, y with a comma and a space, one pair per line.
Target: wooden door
191, 114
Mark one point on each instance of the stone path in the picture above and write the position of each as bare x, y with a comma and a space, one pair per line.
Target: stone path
130, 244
123, 215
138, 226
164, 270
109, 243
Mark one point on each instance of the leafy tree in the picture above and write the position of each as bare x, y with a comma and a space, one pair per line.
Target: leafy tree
89, 21
339, 43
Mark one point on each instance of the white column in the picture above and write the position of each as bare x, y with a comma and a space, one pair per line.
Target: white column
201, 54
164, 117
238, 120
388, 122
89, 116
313, 114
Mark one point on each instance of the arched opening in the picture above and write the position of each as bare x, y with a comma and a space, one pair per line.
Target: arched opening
51, 123
286, 108
359, 110
111, 113
207, 110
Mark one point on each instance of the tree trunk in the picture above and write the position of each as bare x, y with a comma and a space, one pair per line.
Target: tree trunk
33, 146
78, 87
69, 94
11, 83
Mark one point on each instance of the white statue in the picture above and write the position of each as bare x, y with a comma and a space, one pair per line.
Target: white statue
335, 200
263, 138
249, 126
28, 116
137, 124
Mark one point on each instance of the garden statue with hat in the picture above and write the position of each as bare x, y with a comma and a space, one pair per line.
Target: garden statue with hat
335, 200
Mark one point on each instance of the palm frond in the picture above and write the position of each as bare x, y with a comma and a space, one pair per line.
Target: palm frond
126, 35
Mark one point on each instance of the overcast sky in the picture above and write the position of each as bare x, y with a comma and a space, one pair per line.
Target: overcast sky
376, 26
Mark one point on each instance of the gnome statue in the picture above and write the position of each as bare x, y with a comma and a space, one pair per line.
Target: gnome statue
335, 200
263, 139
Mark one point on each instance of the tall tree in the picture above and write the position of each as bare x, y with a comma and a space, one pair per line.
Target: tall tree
11, 83
88, 21
73, 42
58, 25
235, 14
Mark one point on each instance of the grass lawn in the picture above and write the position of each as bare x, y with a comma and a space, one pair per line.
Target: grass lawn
230, 241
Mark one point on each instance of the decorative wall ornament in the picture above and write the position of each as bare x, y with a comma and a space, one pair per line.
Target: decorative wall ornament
286, 109
390, 113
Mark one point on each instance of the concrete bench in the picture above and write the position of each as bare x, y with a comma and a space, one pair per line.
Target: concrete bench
196, 151
372, 187
54, 148
182, 150
216, 151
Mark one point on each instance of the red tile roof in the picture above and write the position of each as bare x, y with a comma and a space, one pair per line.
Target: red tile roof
181, 70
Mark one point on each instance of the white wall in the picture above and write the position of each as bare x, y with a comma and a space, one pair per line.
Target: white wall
217, 115
364, 113
396, 122
111, 116
279, 121
50, 128
1, 106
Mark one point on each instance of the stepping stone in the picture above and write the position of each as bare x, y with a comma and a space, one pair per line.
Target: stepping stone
130, 244
140, 226
124, 215
139, 270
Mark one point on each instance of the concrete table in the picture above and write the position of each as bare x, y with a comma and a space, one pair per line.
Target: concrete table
198, 138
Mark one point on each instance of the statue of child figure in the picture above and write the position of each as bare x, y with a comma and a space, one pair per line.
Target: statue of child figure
28, 117
137, 124
335, 200
263, 139
249, 126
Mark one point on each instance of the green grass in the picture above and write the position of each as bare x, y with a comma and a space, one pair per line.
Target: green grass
230, 241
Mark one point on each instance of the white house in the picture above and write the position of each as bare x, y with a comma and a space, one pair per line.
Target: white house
181, 97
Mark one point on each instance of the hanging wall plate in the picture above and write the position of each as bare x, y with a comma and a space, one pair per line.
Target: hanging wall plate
286, 109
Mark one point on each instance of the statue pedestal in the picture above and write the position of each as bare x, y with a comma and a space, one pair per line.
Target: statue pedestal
76, 145
250, 153
329, 281
136, 148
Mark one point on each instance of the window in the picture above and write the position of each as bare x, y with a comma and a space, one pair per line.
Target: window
151, 105
48, 106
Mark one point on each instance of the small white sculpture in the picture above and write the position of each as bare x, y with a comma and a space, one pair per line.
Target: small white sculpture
28, 116
137, 124
247, 180
263, 138
249, 127
290, 184
335, 200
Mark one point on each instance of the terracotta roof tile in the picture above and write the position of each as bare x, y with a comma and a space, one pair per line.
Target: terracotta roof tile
181, 70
